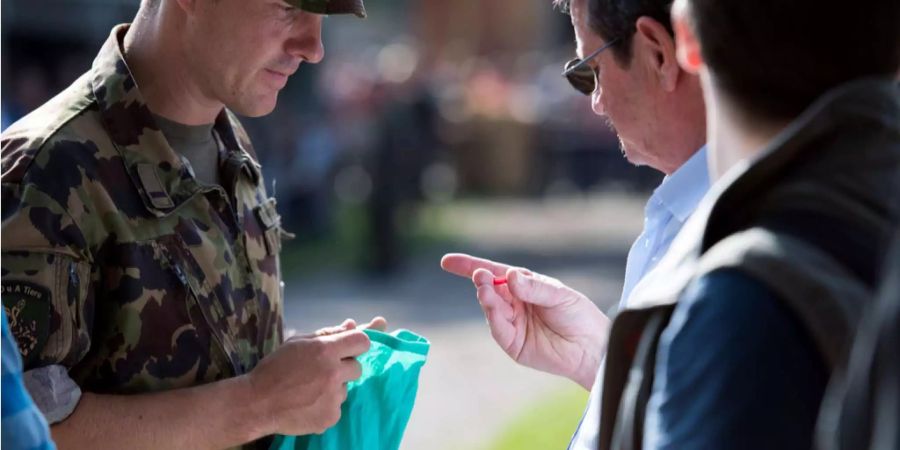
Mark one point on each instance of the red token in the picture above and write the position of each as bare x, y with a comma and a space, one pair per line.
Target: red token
499, 280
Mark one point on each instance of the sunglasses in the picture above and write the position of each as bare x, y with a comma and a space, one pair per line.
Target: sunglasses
582, 76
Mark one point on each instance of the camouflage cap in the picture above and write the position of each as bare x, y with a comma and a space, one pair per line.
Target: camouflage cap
331, 6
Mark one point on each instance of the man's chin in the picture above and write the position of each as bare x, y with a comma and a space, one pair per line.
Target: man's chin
256, 107
627, 151
631, 155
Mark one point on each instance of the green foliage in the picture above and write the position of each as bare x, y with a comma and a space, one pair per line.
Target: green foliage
548, 424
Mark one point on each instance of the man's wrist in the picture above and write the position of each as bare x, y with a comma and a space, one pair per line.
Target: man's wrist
586, 372
594, 349
586, 375
251, 417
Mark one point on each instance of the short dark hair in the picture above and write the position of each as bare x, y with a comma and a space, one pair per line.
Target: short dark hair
612, 19
775, 57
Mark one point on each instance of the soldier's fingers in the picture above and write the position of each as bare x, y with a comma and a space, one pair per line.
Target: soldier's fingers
348, 324
348, 344
328, 331
378, 323
351, 370
466, 265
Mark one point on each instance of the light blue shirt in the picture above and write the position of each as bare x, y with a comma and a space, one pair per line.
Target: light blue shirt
673, 201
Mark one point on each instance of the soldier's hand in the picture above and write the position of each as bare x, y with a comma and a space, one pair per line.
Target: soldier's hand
301, 386
378, 323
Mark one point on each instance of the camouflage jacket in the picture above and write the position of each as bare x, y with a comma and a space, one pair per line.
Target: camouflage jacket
117, 264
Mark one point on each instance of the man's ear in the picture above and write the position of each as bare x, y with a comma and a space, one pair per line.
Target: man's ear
658, 51
688, 47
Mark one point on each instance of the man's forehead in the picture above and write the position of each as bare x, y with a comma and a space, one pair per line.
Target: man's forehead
580, 51
579, 24
585, 41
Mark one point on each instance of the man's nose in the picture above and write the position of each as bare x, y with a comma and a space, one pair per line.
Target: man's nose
305, 41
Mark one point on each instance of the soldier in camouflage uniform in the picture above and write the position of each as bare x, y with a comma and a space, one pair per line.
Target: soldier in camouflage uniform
144, 296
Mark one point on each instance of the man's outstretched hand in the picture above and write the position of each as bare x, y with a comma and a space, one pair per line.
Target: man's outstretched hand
538, 321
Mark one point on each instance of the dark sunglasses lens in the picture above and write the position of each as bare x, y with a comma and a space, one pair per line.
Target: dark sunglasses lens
582, 78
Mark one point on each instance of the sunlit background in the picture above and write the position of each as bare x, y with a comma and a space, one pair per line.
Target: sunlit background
432, 126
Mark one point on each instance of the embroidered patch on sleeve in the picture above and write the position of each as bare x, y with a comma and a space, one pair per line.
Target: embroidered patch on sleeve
28, 309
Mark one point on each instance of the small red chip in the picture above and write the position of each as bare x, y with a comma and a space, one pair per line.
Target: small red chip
499, 281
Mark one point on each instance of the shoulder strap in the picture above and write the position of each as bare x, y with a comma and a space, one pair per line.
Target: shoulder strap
827, 298
629, 431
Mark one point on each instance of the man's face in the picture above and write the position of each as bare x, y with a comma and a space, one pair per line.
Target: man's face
243, 51
623, 95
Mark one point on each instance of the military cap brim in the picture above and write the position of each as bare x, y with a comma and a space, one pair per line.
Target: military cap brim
355, 7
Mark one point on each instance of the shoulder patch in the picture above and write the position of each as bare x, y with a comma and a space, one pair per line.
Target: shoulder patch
28, 309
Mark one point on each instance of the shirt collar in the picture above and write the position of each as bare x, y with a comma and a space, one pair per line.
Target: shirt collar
681, 191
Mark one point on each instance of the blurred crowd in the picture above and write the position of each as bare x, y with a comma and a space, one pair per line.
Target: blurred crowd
388, 125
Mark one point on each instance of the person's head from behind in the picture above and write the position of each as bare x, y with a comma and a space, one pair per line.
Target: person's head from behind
240, 53
655, 107
765, 61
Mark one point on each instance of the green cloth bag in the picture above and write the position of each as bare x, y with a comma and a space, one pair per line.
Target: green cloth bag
379, 403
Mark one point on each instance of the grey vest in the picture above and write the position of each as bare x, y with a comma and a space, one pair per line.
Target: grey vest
811, 218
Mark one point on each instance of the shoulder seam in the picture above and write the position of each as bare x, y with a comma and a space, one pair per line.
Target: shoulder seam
62, 123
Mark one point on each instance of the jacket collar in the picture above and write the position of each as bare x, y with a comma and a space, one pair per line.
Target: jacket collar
836, 129
154, 167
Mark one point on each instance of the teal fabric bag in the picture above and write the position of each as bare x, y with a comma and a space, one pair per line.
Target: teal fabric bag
379, 403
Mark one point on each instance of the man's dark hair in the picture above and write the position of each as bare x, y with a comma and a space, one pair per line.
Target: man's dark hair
775, 57
612, 19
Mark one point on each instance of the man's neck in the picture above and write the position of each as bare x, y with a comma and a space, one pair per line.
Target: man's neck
158, 65
734, 135
682, 119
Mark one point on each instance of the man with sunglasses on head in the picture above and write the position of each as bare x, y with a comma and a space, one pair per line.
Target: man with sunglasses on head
140, 248
628, 67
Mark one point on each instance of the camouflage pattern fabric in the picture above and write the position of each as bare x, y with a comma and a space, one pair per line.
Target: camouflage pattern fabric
116, 263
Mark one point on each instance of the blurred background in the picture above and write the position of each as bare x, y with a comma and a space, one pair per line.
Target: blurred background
433, 126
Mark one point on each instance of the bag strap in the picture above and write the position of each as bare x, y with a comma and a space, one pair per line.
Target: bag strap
629, 430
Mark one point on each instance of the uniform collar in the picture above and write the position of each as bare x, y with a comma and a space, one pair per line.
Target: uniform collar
681, 191
155, 168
